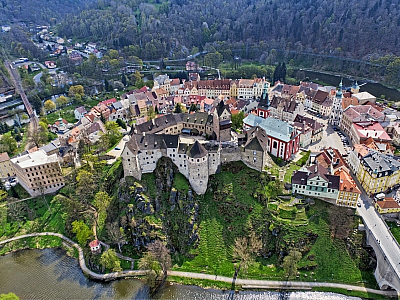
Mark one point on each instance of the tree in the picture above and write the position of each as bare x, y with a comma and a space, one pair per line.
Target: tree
24, 117
61, 101
16, 210
340, 221
101, 202
290, 263
113, 134
158, 260
193, 108
110, 260
85, 185
116, 234
76, 90
9, 296
8, 144
49, 105
124, 80
156, 110
178, 108
121, 124
82, 231
151, 114
237, 120
244, 251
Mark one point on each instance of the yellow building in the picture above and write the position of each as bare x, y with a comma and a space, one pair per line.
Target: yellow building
389, 205
234, 89
349, 193
6, 168
378, 172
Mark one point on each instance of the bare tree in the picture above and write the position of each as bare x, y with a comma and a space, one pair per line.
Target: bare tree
116, 234
158, 260
244, 252
340, 220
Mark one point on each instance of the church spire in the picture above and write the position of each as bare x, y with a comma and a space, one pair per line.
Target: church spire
339, 93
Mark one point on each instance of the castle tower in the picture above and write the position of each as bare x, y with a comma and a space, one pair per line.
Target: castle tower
222, 122
198, 167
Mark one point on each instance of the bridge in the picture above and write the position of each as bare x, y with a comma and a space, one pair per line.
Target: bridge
387, 249
18, 85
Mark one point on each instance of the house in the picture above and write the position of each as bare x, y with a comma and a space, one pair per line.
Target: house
162, 82
6, 167
364, 97
50, 64
38, 173
315, 181
118, 112
60, 126
360, 113
175, 85
285, 109
332, 160
283, 138
378, 172
101, 110
95, 246
80, 112
349, 193
316, 129
388, 205
362, 131
52, 147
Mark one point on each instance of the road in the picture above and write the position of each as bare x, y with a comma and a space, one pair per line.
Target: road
380, 231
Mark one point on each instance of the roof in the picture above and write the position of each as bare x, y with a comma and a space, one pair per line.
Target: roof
197, 150
221, 107
273, 127
371, 129
94, 243
49, 147
81, 110
36, 158
4, 157
162, 79
363, 113
140, 142
257, 139
331, 156
364, 96
118, 105
378, 162
347, 183
313, 124
320, 96
388, 203
346, 102
108, 102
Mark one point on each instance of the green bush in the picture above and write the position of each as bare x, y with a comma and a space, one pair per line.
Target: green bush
302, 161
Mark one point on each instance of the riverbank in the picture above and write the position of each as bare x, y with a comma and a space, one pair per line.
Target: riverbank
247, 283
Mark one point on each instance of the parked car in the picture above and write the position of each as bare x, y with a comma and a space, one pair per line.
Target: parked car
116, 148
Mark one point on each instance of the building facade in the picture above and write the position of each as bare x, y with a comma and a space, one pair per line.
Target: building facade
6, 167
38, 173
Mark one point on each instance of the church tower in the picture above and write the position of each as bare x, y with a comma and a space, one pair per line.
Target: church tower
263, 105
355, 89
337, 108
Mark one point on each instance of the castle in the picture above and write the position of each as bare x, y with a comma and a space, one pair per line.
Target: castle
195, 158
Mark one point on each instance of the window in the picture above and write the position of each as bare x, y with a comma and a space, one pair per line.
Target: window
275, 145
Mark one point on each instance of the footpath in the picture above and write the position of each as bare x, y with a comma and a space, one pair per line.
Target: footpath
245, 283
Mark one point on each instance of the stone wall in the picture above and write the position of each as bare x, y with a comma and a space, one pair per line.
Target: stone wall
131, 164
230, 154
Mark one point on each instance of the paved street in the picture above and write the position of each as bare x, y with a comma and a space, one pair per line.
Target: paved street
330, 137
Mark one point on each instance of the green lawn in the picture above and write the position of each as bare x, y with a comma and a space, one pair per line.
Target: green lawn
289, 173
395, 229
180, 183
66, 113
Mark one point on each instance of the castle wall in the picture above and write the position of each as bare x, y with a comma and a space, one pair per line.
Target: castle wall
148, 160
214, 161
230, 154
253, 159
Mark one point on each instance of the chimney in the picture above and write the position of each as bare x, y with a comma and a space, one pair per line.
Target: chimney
144, 134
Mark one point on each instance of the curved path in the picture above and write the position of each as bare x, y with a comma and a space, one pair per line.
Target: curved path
82, 263
246, 283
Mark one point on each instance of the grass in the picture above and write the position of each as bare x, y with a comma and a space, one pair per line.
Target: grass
180, 183
66, 113
289, 172
395, 229
224, 219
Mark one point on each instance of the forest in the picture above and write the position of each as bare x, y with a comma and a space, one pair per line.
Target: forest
175, 27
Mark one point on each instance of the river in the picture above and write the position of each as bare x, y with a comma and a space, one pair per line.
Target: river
373, 88
51, 274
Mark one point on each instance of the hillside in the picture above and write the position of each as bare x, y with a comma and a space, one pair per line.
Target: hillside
38, 11
246, 28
